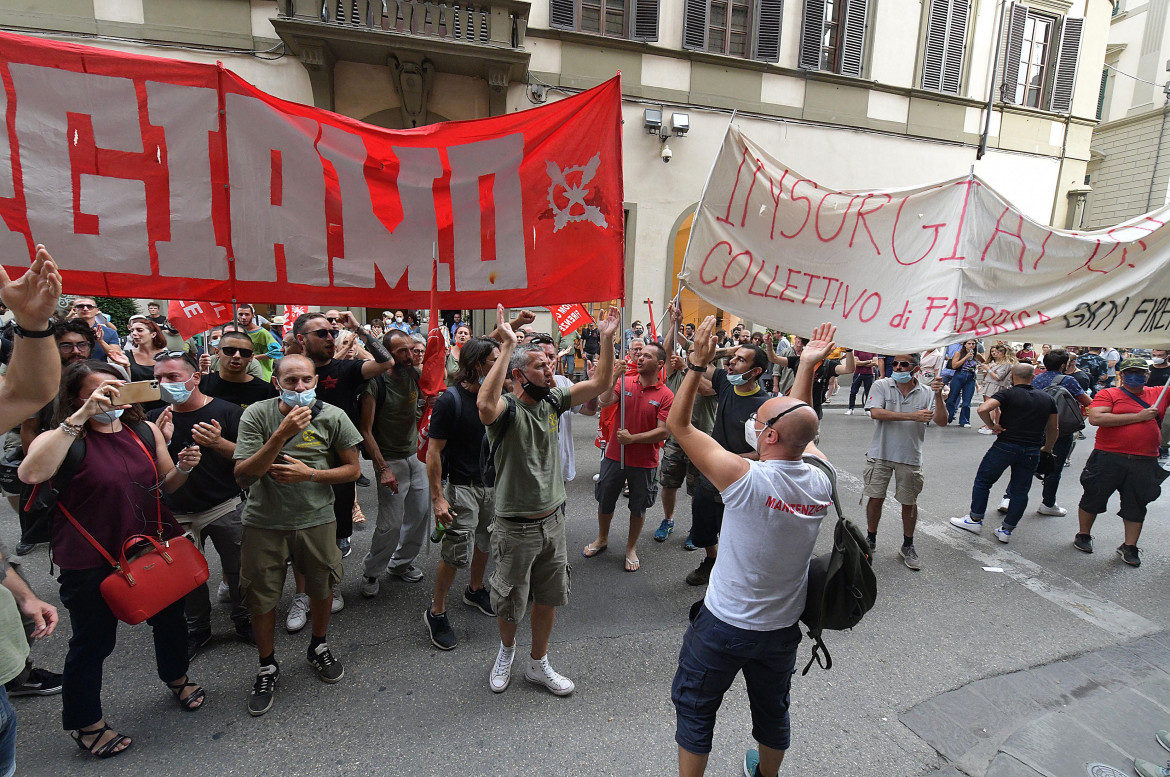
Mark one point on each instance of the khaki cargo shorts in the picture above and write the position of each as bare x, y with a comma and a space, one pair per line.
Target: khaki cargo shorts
907, 480
530, 556
473, 508
264, 555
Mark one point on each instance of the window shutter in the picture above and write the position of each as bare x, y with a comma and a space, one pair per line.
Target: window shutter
645, 15
695, 25
1066, 65
1101, 94
812, 33
770, 13
952, 75
1013, 48
562, 14
853, 47
936, 45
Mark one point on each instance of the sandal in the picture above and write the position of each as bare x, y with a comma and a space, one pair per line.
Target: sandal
358, 515
592, 549
108, 750
192, 701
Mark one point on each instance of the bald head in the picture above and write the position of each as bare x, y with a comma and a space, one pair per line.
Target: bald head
1022, 374
792, 432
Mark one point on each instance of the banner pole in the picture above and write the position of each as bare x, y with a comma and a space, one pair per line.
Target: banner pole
621, 384
207, 349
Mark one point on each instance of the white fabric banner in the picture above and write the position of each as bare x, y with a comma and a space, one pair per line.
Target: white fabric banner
909, 269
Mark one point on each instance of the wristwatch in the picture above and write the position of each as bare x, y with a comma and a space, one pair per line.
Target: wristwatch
22, 332
696, 367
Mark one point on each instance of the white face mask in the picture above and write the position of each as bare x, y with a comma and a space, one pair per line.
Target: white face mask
750, 435
1159, 360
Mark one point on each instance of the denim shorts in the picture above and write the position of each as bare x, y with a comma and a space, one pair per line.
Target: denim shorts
713, 653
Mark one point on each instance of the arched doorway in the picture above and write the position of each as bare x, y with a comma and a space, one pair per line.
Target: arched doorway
694, 307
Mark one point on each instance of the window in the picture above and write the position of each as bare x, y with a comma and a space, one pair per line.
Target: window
633, 19
832, 37
946, 45
740, 28
1039, 62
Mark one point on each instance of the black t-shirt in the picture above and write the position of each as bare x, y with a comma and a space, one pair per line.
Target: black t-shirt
825, 373
160, 319
242, 394
1158, 376
592, 340
731, 412
213, 481
1080, 376
340, 383
463, 433
1024, 414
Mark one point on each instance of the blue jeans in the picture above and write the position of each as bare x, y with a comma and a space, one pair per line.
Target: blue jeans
1022, 459
962, 382
7, 736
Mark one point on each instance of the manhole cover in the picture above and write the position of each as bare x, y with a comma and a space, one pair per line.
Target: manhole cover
1104, 770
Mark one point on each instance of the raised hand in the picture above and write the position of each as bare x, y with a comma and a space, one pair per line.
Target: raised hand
295, 422
166, 423
525, 317
608, 326
504, 328
349, 322
821, 344
206, 433
705, 345
33, 297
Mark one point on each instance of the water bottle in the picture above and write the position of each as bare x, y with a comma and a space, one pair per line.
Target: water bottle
437, 532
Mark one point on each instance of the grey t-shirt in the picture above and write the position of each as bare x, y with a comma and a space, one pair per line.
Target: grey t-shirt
899, 441
528, 462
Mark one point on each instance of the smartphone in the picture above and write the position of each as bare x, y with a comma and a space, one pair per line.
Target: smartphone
139, 391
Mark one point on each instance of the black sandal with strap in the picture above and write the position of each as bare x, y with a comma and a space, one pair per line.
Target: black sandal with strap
108, 750
192, 702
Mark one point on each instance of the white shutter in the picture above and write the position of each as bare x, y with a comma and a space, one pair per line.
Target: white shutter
769, 15
1065, 77
695, 25
812, 34
853, 31
1013, 47
645, 20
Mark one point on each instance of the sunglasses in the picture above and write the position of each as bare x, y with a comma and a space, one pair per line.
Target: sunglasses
332, 320
323, 333
164, 355
86, 307
231, 350
779, 415
903, 364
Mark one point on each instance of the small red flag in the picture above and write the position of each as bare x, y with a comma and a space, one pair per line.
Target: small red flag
570, 318
190, 318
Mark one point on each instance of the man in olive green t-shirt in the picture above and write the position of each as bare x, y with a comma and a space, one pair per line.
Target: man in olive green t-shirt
289, 452
389, 424
528, 540
16, 597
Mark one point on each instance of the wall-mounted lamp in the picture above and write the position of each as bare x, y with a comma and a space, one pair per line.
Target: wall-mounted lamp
680, 123
653, 121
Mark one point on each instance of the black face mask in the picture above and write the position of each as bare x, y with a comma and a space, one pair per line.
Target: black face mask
536, 392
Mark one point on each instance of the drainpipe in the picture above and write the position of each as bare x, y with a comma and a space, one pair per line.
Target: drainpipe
991, 90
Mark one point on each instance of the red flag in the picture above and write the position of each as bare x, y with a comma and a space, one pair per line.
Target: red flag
190, 318
570, 318
291, 312
432, 382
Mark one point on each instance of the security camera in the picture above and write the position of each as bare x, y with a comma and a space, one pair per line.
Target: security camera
666, 154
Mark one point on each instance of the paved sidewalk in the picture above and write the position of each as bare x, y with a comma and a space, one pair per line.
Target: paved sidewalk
1063, 719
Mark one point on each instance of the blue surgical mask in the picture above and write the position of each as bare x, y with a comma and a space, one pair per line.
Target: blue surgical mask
901, 377
737, 380
174, 393
298, 398
215, 343
1134, 379
108, 416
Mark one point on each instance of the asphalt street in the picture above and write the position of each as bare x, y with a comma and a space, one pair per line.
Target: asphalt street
405, 708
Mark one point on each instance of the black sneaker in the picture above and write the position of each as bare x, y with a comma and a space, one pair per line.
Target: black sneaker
363, 481
328, 668
702, 574
244, 632
480, 600
40, 682
1083, 542
1129, 554
263, 690
442, 635
24, 548
195, 641
345, 546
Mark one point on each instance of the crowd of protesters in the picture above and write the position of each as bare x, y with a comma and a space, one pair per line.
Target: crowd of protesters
253, 440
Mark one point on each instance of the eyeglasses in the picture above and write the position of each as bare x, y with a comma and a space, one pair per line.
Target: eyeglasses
67, 347
755, 418
323, 333
231, 350
85, 307
907, 365
332, 320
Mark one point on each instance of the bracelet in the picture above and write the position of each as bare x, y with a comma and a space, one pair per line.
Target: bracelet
312, 475
696, 367
73, 430
18, 329
184, 471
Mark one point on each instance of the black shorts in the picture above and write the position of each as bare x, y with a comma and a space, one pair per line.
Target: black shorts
643, 487
1137, 480
706, 514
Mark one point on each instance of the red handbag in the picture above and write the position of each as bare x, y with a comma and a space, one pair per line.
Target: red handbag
141, 587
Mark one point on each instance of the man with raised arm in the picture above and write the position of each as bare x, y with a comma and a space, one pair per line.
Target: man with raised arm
34, 371
772, 512
528, 541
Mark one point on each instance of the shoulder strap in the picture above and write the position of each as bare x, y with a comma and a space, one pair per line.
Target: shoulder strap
140, 431
96, 545
458, 399
823, 466
509, 413
1058, 380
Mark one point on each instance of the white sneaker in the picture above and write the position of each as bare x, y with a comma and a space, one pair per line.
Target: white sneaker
965, 522
597, 477
539, 672
223, 594
369, 587
985, 430
965, 426
338, 602
1056, 510
298, 614
848, 412
1003, 534
1004, 505
502, 670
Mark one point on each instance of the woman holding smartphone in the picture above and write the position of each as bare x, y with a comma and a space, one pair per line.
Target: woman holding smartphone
962, 358
113, 495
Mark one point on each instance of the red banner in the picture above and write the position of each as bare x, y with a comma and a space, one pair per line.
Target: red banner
291, 313
190, 318
154, 177
570, 318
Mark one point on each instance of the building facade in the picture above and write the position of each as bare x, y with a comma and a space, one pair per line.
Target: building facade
855, 94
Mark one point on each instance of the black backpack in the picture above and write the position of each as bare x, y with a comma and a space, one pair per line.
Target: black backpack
487, 451
842, 587
1068, 410
38, 502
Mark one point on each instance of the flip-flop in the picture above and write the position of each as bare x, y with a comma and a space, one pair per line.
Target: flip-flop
592, 550
632, 564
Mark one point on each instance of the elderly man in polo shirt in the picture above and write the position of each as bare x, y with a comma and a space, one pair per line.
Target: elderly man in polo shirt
901, 407
647, 403
1125, 456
